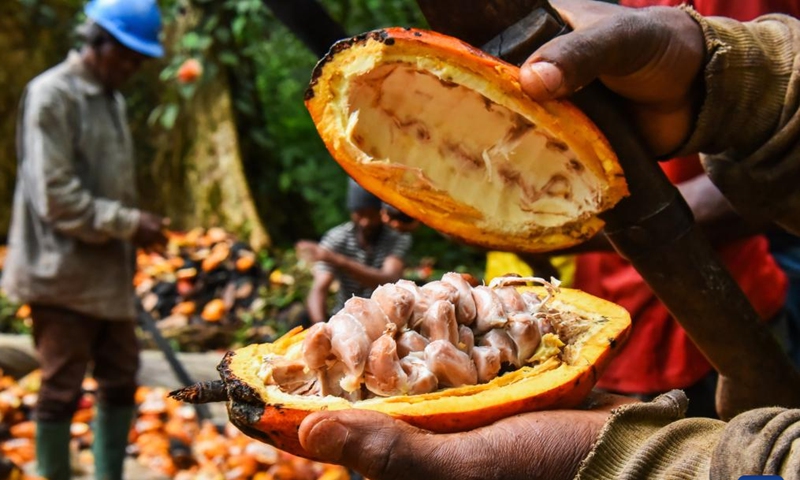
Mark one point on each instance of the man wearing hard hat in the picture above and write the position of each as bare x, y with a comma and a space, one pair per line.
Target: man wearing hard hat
75, 228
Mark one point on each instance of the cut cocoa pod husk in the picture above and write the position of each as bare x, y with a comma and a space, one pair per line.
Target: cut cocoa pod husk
585, 333
443, 132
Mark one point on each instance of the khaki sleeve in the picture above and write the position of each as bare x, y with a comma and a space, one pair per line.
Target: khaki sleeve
749, 125
765, 441
652, 441
52, 185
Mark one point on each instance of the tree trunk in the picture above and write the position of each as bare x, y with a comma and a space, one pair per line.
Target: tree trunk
198, 162
215, 178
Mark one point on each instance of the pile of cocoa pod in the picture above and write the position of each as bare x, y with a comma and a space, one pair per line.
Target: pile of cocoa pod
203, 275
166, 439
206, 290
408, 340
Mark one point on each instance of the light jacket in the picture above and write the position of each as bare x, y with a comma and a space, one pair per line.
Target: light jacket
73, 214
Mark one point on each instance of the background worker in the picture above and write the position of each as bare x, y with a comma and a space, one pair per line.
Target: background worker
693, 84
360, 254
75, 228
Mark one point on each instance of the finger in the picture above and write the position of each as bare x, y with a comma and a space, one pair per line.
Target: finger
381, 447
615, 46
166, 222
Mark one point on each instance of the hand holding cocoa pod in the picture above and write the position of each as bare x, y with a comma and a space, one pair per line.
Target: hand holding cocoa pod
539, 445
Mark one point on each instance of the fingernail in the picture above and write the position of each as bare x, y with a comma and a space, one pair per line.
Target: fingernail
327, 439
550, 75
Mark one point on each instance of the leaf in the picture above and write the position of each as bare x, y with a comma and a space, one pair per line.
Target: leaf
186, 91
284, 181
237, 27
154, 115
169, 72
169, 116
211, 23
245, 107
223, 35
260, 138
228, 58
191, 40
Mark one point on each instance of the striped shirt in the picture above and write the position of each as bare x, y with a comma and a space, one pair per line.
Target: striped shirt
343, 240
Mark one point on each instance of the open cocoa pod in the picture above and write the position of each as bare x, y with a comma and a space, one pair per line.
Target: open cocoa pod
445, 357
443, 132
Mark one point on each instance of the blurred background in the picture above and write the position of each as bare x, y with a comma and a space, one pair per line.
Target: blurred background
221, 133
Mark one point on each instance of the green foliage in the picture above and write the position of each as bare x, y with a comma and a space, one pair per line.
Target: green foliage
362, 15
305, 165
43, 14
269, 71
300, 162
298, 188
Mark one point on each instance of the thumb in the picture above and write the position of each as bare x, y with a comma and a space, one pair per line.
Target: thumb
616, 44
380, 447
566, 64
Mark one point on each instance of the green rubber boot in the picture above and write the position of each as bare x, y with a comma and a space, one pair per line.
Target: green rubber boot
111, 427
52, 450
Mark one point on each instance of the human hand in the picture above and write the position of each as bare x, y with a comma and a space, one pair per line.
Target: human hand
150, 231
537, 445
651, 57
311, 252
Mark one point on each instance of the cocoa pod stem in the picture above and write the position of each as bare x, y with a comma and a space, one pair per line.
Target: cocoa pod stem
202, 392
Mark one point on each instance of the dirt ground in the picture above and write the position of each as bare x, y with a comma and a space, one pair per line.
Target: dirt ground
133, 471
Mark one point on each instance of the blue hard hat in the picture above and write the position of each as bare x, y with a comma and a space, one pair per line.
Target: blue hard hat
133, 23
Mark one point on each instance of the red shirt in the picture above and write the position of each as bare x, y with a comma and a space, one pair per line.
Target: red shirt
659, 355
742, 10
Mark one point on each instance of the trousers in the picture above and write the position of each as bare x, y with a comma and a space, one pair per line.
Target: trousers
69, 344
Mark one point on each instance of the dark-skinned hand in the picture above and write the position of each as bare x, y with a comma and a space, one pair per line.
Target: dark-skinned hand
540, 445
151, 231
651, 57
